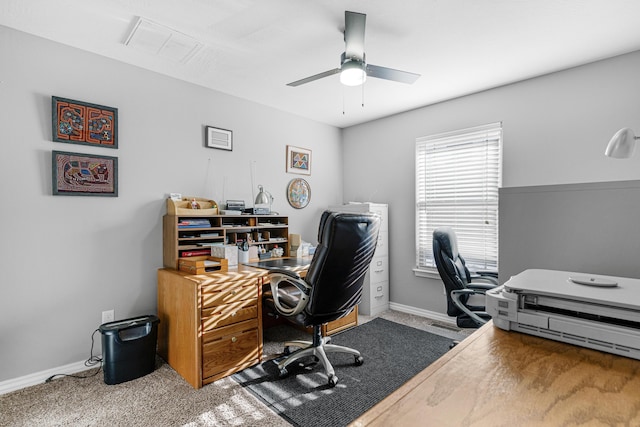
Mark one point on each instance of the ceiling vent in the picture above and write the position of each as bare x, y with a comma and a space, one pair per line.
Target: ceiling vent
163, 41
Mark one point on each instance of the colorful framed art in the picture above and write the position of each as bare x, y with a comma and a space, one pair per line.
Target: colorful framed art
298, 160
77, 174
77, 122
298, 193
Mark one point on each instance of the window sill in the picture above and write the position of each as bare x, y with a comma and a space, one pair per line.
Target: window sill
430, 273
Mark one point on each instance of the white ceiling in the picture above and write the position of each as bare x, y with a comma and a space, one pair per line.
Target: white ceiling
253, 48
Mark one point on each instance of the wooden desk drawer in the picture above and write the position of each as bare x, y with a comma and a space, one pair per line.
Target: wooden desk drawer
226, 352
228, 314
216, 295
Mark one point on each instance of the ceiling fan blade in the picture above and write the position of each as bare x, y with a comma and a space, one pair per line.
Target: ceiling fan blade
391, 74
354, 24
314, 77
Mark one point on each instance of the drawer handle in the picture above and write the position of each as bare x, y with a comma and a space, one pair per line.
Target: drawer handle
379, 271
234, 339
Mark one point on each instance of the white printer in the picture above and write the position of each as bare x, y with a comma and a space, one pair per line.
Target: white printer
598, 312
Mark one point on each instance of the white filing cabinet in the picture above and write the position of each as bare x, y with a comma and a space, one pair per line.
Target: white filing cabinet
375, 290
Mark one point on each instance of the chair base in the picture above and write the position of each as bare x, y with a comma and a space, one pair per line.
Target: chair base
319, 348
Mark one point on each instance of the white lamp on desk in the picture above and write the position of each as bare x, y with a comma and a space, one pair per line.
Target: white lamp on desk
622, 144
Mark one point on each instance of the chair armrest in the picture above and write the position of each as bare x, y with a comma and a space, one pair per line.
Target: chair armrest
278, 277
489, 279
481, 287
285, 272
487, 273
455, 297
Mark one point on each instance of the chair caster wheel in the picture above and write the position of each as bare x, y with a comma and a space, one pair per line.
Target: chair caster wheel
333, 380
359, 360
283, 372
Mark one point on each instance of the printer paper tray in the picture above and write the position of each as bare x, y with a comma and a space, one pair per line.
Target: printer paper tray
609, 338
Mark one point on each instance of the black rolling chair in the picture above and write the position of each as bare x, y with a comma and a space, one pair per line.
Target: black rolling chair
459, 283
331, 288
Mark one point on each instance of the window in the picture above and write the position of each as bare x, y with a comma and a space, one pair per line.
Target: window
457, 179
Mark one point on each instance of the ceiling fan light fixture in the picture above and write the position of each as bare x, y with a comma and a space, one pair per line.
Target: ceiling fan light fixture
353, 73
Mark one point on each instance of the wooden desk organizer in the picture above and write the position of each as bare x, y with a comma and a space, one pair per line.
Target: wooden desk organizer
183, 207
196, 264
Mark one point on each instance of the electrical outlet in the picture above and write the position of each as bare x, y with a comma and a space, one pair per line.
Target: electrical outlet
108, 316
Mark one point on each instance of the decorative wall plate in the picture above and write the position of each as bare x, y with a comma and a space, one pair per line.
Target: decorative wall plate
298, 193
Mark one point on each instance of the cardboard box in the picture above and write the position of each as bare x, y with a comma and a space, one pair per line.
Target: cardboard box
230, 252
202, 264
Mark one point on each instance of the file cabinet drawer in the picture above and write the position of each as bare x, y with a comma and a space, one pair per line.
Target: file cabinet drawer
379, 269
217, 295
380, 291
229, 352
229, 314
382, 247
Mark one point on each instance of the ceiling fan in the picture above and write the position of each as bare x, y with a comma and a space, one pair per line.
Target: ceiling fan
353, 67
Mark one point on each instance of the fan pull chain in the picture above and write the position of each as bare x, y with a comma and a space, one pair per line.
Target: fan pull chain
342, 99
362, 95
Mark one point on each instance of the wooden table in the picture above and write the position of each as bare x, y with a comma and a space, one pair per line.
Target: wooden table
499, 378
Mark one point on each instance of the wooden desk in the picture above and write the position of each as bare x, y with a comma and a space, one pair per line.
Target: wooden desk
499, 378
211, 324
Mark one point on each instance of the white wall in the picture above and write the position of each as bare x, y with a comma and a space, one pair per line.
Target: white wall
66, 259
556, 128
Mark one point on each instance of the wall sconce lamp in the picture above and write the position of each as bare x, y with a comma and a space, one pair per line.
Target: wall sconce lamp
622, 144
262, 199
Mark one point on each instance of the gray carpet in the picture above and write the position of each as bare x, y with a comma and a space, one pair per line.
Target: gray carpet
159, 399
393, 353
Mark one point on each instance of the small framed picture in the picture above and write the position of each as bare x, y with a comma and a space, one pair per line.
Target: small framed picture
298, 160
77, 174
221, 139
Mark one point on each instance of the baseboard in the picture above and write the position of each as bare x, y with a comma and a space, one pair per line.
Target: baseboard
40, 377
443, 318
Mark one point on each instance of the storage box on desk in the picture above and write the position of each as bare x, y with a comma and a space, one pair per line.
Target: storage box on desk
202, 264
230, 252
184, 207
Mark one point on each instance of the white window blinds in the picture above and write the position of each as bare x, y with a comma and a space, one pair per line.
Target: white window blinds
457, 179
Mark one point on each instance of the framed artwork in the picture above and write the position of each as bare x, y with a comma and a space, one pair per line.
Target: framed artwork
77, 174
77, 122
222, 139
298, 160
298, 193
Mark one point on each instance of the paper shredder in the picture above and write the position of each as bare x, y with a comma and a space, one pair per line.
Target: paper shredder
129, 348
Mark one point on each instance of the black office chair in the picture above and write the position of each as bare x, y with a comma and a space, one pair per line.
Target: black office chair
331, 288
459, 283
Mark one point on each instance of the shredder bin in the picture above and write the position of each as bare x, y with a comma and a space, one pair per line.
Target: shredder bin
129, 348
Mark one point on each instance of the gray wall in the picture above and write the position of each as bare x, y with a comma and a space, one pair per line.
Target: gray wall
66, 259
588, 228
556, 128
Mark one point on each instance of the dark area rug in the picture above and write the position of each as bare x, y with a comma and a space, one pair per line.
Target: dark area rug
393, 353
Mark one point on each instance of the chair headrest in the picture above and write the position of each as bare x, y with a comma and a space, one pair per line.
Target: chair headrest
447, 240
